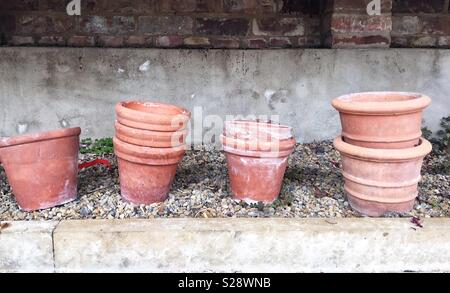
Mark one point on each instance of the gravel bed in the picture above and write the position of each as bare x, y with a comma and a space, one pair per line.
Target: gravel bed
313, 187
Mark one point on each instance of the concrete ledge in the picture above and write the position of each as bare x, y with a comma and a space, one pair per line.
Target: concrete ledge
228, 245
27, 247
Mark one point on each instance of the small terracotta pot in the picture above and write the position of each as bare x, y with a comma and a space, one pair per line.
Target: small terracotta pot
383, 120
381, 180
152, 116
149, 138
146, 174
256, 166
42, 168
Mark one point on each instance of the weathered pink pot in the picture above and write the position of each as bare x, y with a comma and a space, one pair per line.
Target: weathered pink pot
256, 165
146, 174
42, 168
384, 120
381, 180
152, 116
150, 138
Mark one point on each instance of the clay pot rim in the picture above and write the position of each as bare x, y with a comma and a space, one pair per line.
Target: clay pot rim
257, 145
385, 155
254, 129
40, 136
147, 161
258, 154
244, 148
365, 103
150, 138
134, 131
149, 154
156, 113
256, 123
167, 109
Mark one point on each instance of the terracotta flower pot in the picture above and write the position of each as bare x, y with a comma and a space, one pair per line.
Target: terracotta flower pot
384, 120
146, 174
42, 168
381, 180
256, 166
150, 138
152, 116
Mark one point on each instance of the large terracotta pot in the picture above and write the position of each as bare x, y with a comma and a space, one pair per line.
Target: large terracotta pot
149, 138
381, 180
42, 168
152, 116
384, 120
256, 167
146, 174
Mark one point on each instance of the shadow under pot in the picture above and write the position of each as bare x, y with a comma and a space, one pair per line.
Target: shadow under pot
152, 116
256, 170
382, 120
378, 181
42, 168
146, 174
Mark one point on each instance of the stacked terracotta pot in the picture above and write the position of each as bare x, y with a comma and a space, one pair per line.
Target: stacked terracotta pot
149, 143
381, 149
257, 156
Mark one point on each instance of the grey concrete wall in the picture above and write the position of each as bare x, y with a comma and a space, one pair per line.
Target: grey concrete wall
47, 88
227, 245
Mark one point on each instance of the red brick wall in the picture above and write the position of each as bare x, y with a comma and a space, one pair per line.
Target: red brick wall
164, 23
226, 23
421, 23
351, 25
